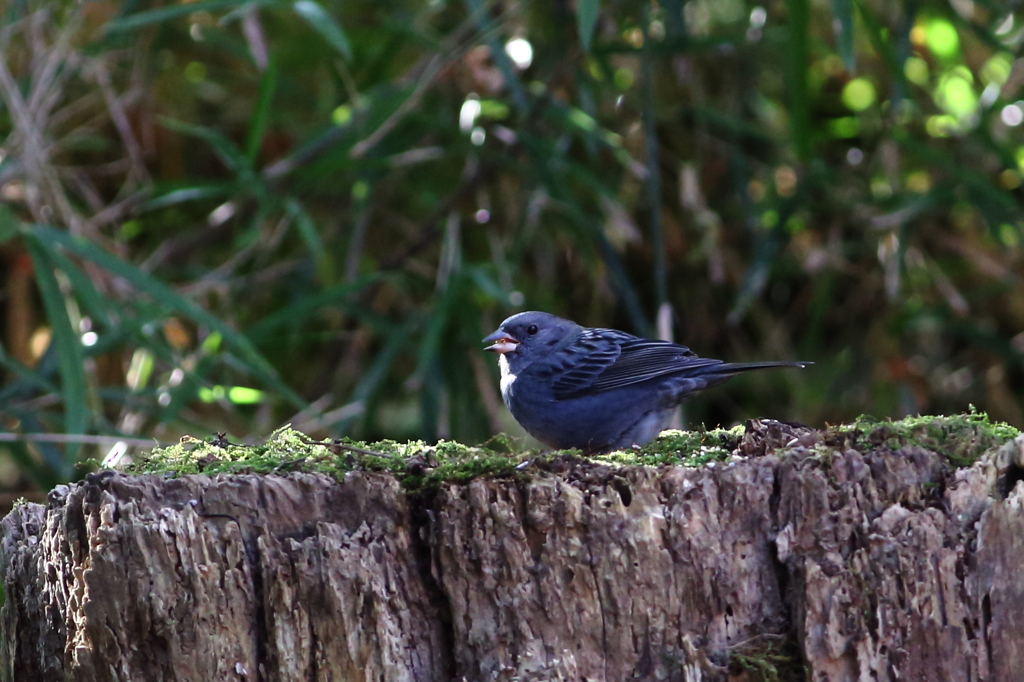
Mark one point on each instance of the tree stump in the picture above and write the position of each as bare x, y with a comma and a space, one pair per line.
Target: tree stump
790, 561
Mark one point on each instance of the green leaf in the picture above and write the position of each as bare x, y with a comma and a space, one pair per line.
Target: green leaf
230, 154
66, 344
56, 465
675, 22
478, 10
8, 224
25, 375
586, 19
92, 301
41, 475
258, 124
310, 236
842, 10
373, 376
323, 24
173, 301
157, 16
996, 205
185, 194
883, 42
799, 61
297, 311
766, 246
732, 126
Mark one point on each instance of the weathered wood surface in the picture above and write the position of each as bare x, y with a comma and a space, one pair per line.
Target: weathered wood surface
880, 565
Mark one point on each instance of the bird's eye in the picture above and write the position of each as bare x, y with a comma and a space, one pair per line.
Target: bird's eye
531, 330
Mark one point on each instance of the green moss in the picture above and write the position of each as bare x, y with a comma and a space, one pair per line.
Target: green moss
415, 464
961, 437
419, 466
682, 448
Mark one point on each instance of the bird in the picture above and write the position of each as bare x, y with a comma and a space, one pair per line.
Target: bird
598, 390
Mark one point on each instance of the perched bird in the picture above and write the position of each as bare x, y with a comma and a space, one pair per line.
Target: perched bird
598, 389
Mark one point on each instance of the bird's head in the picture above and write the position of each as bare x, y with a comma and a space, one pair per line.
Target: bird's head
522, 337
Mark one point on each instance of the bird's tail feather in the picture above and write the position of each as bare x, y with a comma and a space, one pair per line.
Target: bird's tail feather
731, 368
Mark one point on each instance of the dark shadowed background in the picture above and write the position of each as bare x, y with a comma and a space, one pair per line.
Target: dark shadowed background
225, 216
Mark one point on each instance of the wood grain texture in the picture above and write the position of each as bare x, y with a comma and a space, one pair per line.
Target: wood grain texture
225, 578
877, 565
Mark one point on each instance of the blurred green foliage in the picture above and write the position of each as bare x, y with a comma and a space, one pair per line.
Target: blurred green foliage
227, 216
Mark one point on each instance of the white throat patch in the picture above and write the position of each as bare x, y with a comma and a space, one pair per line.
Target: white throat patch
507, 377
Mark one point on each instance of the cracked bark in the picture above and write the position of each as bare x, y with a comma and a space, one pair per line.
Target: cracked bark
877, 564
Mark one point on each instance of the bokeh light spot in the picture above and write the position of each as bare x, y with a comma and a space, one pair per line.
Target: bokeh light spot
859, 94
844, 128
997, 69
623, 78
468, 113
785, 180
341, 115
955, 93
919, 181
916, 71
520, 52
1012, 115
243, 395
1019, 156
195, 72
360, 190
942, 39
940, 126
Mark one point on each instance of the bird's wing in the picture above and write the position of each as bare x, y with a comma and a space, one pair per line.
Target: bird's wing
605, 359
574, 368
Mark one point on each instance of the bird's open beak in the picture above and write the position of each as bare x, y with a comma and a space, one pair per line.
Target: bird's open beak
502, 342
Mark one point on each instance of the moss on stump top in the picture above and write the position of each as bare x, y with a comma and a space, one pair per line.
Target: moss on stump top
417, 465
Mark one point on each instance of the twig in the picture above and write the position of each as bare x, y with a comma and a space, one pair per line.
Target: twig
430, 72
30, 115
253, 32
216, 278
77, 438
364, 451
349, 411
453, 48
429, 230
120, 119
353, 448
114, 212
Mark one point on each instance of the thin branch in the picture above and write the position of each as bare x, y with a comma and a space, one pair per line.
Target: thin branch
430, 71
352, 448
429, 230
70, 438
114, 212
329, 419
120, 119
30, 118
253, 32
453, 48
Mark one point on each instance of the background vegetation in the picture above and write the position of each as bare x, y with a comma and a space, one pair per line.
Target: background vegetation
228, 216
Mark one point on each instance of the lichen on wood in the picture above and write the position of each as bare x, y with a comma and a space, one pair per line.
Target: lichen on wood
876, 550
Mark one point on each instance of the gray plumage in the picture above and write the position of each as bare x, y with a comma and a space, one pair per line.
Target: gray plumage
598, 389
